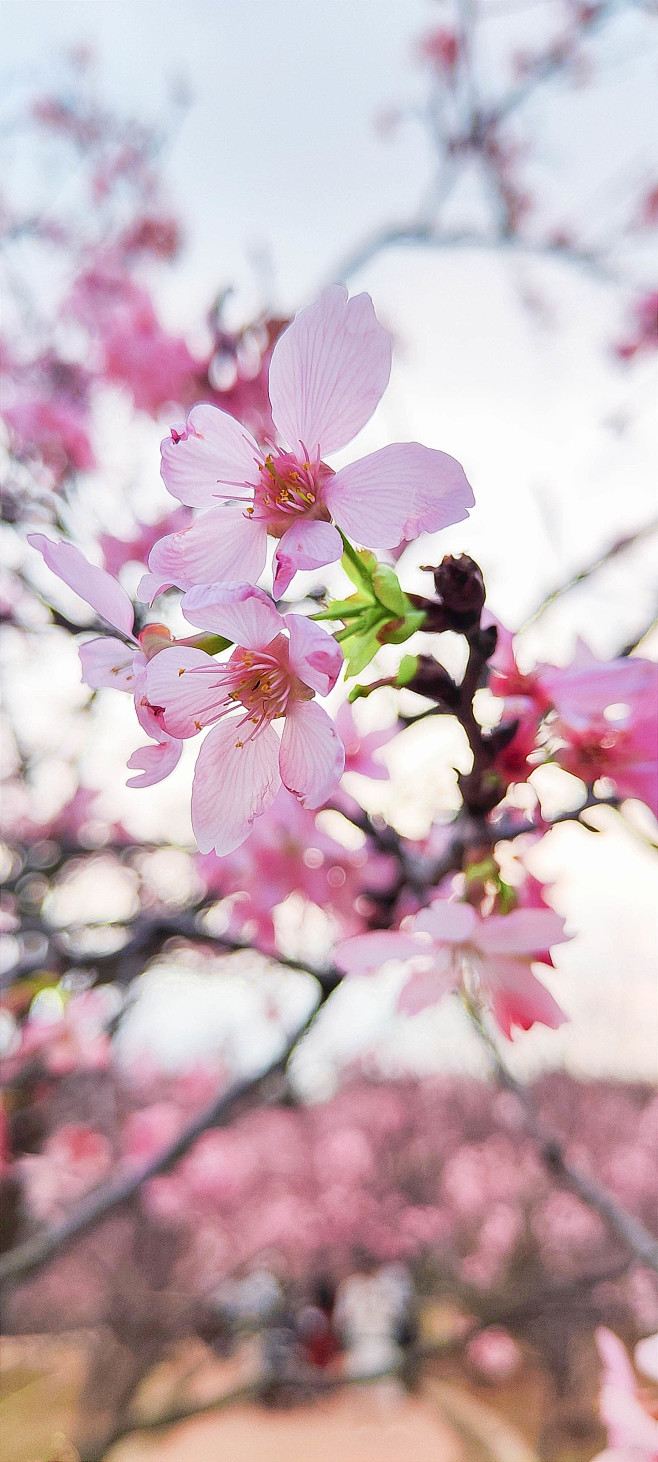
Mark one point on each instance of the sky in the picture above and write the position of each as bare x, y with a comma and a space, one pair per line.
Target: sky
278, 169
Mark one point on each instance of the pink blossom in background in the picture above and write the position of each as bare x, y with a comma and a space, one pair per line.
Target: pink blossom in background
494, 1353
604, 721
644, 332
273, 672
607, 721
113, 663
449, 943
632, 1432
74, 1160
157, 368
327, 374
57, 429
286, 852
119, 551
77, 1040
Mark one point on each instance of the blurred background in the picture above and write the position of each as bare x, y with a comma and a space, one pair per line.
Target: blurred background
176, 184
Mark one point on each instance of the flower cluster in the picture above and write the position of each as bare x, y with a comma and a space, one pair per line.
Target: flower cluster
328, 371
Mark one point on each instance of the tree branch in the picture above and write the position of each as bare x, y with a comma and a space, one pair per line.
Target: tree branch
632, 1232
619, 546
21, 1261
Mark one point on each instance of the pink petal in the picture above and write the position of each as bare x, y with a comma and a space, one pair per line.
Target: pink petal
107, 662
517, 998
523, 931
628, 1424
305, 546
233, 784
213, 451
221, 545
583, 690
397, 493
447, 922
183, 682
312, 754
365, 953
315, 656
156, 761
240, 612
645, 1356
328, 372
98, 589
426, 987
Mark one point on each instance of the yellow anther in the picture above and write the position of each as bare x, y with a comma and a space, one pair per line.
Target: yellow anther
239, 743
182, 672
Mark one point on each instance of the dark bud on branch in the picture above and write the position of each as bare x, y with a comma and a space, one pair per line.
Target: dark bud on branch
460, 595
460, 587
432, 680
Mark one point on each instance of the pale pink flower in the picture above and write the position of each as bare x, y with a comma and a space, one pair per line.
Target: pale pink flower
119, 664
272, 674
632, 1432
327, 374
450, 943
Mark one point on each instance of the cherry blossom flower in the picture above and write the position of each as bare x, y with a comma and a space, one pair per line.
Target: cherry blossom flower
119, 664
450, 944
606, 721
632, 1432
277, 665
327, 374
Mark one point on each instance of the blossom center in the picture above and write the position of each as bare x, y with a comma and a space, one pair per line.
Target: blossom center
289, 487
260, 683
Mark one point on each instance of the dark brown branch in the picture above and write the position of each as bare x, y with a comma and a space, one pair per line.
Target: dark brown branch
21, 1261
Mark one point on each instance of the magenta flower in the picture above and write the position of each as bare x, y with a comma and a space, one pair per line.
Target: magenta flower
119, 664
327, 374
272, 675
449, 944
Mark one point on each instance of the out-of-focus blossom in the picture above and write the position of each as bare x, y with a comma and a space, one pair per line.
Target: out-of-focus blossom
607, 721
118, 551
73, 1161
644, 329
449, 944
632, 1432
286, 852
494, 1353
58, 430
327, 374
273, 673
75, 1040
440, 48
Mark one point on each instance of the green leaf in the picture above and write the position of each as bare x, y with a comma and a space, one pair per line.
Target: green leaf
386, 585
401, 630
406, 670
359, 565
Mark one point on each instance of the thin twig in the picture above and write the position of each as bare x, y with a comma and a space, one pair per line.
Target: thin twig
642, 1243
619, 546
